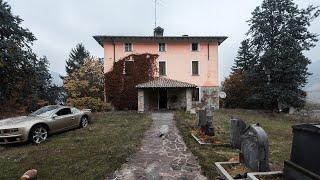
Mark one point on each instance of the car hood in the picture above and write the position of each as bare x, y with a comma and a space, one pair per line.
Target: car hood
19, 121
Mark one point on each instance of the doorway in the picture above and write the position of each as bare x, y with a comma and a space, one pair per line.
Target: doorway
163, 97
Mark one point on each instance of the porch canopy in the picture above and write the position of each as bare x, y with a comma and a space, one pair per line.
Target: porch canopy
164, 93
165, 83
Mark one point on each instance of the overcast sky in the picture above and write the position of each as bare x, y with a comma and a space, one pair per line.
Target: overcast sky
60, 24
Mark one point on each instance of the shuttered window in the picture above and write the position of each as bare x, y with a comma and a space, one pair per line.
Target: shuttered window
195, 67
162, 47
195, 46
162, 68
128, 68
127, 47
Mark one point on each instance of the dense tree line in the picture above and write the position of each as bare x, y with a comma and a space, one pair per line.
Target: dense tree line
24, 77
271, 69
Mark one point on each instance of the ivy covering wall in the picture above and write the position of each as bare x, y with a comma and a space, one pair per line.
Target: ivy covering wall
126, 73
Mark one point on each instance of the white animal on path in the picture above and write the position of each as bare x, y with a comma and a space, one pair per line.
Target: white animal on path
164, 130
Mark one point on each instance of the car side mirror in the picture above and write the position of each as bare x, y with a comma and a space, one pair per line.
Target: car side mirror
54, 116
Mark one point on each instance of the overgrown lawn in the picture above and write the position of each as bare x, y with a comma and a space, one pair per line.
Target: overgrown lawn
88, 153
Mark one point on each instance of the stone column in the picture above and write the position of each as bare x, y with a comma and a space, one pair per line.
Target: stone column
188, 99
140, 100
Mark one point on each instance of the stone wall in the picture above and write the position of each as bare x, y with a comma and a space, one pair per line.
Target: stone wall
151, 99
177, 98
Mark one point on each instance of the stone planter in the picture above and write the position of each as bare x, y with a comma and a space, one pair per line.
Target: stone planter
265, 175
224, 174
222, 171
211, 144
199, 141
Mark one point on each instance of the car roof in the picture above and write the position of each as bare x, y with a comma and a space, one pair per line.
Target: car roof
61, 106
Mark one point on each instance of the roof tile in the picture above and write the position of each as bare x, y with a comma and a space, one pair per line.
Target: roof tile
165, 83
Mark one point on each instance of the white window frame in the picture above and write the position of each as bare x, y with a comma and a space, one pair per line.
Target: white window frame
165, 47
198, 47
198, 68
124, 47
166, 66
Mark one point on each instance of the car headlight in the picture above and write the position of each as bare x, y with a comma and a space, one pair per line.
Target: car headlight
9, 131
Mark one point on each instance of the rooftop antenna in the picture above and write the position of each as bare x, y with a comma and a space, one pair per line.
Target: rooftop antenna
155, 13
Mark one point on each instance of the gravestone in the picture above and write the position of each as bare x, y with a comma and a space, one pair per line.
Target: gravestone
255, 148
202, 118
205, 119
237, 127
304, 162
209, 129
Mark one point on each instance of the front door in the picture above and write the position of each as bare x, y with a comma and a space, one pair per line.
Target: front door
163, 96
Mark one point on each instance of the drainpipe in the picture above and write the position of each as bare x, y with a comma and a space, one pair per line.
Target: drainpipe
114, 51
208, 52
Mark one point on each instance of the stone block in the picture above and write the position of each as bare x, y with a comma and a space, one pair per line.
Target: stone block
237, 127
255, 149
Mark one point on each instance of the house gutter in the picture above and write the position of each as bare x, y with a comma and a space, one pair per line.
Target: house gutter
114, 51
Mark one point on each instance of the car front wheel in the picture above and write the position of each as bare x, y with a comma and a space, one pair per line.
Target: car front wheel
38, 134
84, 122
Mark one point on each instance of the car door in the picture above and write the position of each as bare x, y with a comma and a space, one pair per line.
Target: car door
62, 120
76, 117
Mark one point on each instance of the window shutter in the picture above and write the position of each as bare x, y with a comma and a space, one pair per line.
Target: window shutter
162, 68
195, 68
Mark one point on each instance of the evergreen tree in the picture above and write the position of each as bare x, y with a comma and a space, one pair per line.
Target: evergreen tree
43, 78
243, 61
279, 32
76, 58
238, 92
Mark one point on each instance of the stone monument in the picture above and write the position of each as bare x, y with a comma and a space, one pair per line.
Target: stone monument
255, 149
237, 127
304, 162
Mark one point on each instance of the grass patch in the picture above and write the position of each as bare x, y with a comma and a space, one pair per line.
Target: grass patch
277, 126
88, 153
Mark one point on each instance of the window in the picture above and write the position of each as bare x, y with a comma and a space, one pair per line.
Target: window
127, 47
64, 111
195, 68
128, 66
162, 47
195, 46
75, 110
195, 94
162, 68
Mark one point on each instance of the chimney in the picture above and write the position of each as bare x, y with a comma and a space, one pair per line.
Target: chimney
158, 31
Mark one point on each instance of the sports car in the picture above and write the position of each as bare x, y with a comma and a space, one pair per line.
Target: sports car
37, 126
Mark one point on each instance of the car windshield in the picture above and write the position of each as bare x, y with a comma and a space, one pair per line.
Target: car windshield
45, 111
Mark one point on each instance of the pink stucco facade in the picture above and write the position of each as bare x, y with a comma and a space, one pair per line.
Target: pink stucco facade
178, 57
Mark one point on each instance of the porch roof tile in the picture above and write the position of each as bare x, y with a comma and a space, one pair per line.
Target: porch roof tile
165, 83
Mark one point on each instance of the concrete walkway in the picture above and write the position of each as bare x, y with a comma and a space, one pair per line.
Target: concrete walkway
161, 157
